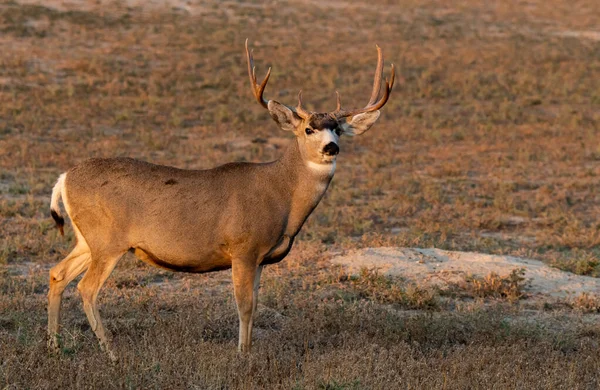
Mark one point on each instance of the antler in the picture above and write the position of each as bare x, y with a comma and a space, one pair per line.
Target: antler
302, 113
259, 89
373, 104
256, 88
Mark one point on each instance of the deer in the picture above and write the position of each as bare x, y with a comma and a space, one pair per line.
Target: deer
239, 216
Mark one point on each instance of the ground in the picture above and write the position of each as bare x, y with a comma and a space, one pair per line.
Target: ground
447, 269
489, 144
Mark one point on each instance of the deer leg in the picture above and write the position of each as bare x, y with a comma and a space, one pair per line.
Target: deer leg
254, 300
100, 269
244, 276
60, 276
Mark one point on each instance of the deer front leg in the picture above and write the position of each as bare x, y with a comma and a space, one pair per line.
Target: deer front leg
244, 275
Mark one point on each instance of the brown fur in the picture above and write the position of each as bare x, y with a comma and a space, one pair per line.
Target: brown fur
240, 215
320, 121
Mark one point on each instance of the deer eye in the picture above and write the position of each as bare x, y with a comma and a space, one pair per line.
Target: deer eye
338, 131
308, 131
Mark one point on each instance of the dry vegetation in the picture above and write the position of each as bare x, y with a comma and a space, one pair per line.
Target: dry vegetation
489, 143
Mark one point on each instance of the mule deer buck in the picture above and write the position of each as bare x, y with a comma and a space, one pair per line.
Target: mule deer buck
239, 215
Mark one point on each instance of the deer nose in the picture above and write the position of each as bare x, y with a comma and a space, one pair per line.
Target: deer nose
331, 149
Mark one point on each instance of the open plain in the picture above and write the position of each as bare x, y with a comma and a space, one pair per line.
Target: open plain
489, 144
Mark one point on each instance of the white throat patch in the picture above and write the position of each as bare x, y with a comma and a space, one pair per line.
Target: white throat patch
323, 169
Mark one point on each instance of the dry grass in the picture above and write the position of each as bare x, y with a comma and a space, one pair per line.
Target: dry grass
489, 143
510, 287
587, 303
310, 334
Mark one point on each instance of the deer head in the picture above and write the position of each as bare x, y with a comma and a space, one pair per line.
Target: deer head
318, 133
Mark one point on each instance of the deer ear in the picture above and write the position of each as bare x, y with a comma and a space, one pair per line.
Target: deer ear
360, 123
287, 119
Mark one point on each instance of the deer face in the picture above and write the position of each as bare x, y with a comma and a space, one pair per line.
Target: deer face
320, 137
319, 133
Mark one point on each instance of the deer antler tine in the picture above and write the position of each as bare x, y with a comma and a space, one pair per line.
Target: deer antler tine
264, 83
256, 89
375, 103
299, 106
249, 56
383, 99
377, 78
338, 102
299, 109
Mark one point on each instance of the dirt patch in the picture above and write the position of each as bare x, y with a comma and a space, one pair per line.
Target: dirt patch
592, 35
436, 267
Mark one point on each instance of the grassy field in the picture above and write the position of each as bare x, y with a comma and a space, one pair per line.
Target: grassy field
489, 143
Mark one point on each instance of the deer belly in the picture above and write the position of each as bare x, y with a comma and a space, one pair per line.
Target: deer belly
278, 253
207, 262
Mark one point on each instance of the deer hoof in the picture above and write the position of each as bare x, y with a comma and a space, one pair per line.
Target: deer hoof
53, 344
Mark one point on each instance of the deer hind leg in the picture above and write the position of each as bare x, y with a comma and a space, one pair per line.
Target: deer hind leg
100, 269
244, 277
60, 276
254, 300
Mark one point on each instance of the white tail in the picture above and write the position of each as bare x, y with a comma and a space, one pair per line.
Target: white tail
57, 192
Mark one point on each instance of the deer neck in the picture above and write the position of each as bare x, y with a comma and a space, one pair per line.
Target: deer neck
305, 182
